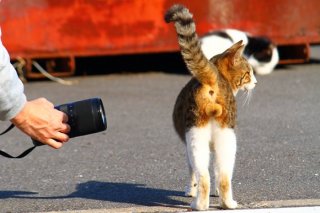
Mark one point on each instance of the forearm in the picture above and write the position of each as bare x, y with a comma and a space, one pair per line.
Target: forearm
12, 97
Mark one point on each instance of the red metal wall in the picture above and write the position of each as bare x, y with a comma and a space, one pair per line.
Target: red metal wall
52, 28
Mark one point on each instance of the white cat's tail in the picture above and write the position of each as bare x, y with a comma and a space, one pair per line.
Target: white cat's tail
197, 63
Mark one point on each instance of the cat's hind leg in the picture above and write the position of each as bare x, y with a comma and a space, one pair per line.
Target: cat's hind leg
225, 152
192, 186
199, 156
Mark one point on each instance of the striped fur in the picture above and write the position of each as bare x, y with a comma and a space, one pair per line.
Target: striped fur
193, 56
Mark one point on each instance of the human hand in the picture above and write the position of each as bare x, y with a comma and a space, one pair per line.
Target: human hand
42, 122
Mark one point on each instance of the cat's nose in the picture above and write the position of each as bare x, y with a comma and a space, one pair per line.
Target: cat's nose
255, 80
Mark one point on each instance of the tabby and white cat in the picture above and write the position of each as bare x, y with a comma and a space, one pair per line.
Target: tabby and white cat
205, 111
261, 53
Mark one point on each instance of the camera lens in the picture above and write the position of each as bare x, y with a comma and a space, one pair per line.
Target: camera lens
98, 109
85, 117
102, 116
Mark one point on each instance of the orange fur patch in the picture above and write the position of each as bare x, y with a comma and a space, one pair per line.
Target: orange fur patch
204, 187
224, 187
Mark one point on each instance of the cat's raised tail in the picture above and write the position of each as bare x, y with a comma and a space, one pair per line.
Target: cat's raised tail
197, 63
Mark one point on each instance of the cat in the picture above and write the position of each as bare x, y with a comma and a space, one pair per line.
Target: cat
261, 53
204, 114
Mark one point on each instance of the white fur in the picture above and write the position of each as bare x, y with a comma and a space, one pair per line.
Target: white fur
198, 153
265, 68
212, 45
225, 147
200, 142
252, 83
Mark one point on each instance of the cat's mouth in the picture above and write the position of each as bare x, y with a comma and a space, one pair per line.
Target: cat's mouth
249, 87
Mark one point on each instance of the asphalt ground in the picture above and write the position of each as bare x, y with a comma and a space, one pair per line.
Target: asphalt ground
138, 164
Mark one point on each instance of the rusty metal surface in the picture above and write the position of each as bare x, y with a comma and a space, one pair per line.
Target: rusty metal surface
81, 27
59, 28
284, 21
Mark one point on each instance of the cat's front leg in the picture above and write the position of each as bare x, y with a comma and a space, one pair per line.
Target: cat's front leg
202, 201
192, 186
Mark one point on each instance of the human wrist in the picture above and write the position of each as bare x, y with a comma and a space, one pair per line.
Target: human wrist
20, 117
18, 107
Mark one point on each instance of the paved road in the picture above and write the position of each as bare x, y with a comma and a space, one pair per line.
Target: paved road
139, 160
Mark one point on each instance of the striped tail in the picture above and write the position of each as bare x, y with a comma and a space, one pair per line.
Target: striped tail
197, 63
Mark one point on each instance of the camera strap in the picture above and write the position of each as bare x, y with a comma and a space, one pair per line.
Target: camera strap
23, 154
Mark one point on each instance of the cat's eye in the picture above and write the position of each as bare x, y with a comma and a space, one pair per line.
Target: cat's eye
245, 77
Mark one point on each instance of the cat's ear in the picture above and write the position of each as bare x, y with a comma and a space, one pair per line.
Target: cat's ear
236, 52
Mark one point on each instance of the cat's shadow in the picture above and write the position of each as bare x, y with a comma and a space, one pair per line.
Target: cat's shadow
130, 193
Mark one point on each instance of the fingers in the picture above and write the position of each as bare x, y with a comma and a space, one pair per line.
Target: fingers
64, 128
59, 130
62, 125
61, 116
54, 144
41, 121
57, 141
64, 117
61, 137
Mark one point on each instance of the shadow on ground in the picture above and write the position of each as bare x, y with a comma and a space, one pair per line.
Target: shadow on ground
137, 194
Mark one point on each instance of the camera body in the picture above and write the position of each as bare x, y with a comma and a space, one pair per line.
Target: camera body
84, 117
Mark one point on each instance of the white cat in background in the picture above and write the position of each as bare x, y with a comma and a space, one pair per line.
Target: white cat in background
261, 53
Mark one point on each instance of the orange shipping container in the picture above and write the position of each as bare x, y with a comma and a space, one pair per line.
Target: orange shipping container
35, 29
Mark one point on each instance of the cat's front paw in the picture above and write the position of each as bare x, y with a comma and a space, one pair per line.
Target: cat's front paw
230, 204
200, 205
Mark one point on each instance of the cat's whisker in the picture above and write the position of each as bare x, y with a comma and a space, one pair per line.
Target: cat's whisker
244, 97
243, 94
247, 98
251, 94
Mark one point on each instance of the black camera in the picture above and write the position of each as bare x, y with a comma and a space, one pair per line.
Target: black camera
84, 117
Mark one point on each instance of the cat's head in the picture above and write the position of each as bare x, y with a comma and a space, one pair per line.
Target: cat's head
262, 54
235, 68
